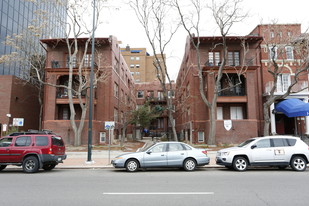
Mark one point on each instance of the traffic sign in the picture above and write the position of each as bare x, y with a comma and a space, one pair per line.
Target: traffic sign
109, 125
18, 122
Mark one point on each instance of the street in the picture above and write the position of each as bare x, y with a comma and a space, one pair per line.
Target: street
206, 186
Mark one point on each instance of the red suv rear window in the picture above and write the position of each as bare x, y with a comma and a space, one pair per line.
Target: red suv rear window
57, 141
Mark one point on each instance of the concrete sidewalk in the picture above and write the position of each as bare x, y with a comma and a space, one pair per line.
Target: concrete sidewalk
101, 159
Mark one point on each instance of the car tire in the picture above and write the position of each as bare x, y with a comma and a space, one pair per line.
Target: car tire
49, 167
298, 163
2, 167
132, 165
189, 164
240, 164
31, 164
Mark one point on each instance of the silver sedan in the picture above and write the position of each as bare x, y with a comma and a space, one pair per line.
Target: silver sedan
163, 154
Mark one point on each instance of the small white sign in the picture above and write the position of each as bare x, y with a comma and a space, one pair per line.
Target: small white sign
228, 124
109, 125
18, 122
4, 127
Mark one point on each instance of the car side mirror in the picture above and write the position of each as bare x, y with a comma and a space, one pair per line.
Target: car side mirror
148, 152
253, 146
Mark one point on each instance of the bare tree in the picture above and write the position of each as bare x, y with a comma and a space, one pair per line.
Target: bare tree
154, 16
277, 47
226, 14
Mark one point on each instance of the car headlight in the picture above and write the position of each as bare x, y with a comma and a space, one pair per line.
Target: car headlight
225, 153
118, 158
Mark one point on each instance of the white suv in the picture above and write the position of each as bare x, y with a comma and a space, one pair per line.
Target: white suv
281, 151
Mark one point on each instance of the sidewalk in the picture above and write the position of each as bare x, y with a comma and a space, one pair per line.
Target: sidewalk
100, 159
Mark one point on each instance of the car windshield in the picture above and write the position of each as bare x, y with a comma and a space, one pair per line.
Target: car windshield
243, 144
143, 149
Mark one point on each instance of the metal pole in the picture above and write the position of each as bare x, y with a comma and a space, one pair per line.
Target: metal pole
91, 89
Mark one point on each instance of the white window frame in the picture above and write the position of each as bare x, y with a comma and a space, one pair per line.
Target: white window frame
271, 53
219, 113
102, 136
236, 112
200, 137
289, 53
283, 82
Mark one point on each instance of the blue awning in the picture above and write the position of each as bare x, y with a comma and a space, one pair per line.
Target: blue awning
293, 108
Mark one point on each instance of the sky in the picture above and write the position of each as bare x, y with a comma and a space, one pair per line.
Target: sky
120, 21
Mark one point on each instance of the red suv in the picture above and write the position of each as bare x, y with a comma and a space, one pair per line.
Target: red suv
32, 151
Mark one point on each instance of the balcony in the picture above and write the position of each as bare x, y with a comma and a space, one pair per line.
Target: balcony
301, 88
65, 64
237, 91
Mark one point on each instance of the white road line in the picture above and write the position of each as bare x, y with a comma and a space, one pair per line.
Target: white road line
158, 193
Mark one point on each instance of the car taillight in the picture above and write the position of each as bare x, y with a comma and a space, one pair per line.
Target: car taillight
204, 152
50, 151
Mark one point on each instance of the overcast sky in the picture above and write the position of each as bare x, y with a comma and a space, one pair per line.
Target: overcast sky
120, 21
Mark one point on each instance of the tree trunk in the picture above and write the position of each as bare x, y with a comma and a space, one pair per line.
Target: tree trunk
212, 125
266, 119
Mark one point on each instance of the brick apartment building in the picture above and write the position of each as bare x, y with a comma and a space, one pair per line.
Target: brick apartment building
280, 37
153, 93
239, 104
112, 97
20, 100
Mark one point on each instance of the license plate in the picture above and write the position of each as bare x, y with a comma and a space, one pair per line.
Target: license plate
59, 158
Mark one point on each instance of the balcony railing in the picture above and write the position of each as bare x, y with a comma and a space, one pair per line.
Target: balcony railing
65, 64
237, 91
300, 87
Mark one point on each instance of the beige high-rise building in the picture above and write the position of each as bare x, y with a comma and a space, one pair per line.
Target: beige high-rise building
141, 64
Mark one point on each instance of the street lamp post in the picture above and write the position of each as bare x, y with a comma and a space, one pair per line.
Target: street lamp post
91, 90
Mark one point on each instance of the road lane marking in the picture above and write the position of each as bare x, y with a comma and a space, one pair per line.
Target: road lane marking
158, 193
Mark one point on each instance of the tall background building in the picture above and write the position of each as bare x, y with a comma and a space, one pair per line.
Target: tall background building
46, 19
17, 16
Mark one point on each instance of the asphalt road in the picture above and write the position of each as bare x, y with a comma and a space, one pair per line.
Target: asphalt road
206, 186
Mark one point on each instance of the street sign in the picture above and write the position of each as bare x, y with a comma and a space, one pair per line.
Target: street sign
18, 122
109, 125
228, 125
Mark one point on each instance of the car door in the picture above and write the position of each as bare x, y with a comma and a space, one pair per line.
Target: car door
262, 151
156, 156
176, 153
21, 145
5, 146
281, 149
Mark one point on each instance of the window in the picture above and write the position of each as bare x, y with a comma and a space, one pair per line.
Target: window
41, 140
137, 66
264, 143
233, 58
73, 61
283, 82
137, 58
272, 52
132, 58
279, 142
5, 142
175, 147
115, 89
65, 113
289, 53
272, 35
160, 95
157, 148
160, 123
87, 60
131, 65
201, 137
236, 113
137, 73
102, 136
57, 141
214, 58
23, 141
115, 115
219, 113
140, 94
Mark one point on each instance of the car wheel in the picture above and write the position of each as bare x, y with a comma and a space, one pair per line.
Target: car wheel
2, 167
189, 164
49, 167
240, 164
298, 163
31, 164
132, 165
